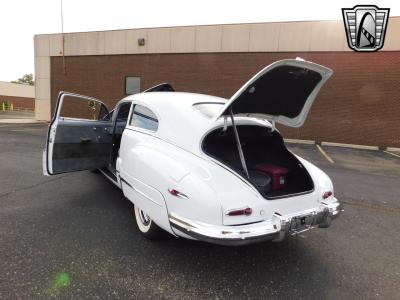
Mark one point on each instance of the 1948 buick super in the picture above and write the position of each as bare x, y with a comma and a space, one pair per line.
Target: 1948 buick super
199, 166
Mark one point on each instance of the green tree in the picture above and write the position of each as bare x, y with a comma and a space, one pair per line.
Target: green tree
26, 79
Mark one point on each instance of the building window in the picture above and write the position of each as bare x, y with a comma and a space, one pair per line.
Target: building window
132, 85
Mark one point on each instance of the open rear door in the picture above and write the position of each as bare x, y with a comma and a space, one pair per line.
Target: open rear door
79, 136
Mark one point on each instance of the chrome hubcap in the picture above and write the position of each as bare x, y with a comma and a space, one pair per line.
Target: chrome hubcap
144, 217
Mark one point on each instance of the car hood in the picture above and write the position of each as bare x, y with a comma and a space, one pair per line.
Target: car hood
282, 92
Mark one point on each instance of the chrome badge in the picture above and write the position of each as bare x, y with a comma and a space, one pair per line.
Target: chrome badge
365, 27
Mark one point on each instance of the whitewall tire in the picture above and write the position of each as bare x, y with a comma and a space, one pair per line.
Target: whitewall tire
146, 225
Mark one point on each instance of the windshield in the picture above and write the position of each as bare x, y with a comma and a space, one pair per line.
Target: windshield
208, 109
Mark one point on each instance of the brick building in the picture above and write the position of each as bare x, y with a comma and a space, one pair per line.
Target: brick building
20, 96
360, 104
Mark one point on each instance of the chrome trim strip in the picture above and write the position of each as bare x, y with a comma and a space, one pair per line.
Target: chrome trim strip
139, 191
109, 178
144, 195
126, 182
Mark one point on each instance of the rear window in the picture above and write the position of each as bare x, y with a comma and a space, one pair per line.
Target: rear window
208, 109
143, 117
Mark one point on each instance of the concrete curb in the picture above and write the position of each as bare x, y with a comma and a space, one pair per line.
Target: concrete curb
19, 121
352, 146
392, 149
295, 141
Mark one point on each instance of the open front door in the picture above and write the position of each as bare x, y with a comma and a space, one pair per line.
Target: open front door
79, 136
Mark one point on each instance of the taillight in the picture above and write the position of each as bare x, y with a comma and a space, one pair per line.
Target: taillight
176, 193
173, 192
326, 194
240, 212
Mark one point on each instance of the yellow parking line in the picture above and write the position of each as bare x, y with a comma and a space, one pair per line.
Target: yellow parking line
397, 155
328, 158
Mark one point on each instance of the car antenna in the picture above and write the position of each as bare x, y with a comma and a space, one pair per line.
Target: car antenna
239, 146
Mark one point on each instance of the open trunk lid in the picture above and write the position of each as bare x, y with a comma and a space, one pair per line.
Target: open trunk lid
282, 92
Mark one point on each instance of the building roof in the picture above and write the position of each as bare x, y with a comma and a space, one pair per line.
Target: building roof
297, 36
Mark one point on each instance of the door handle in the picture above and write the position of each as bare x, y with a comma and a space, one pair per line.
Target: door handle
85, 140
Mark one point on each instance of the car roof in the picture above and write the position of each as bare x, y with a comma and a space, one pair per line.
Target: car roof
179, 122
178, 101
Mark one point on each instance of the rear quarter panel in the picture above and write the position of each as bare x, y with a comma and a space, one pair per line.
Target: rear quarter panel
152, 166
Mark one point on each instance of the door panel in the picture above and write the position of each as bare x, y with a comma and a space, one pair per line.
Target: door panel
141, 179
80, 141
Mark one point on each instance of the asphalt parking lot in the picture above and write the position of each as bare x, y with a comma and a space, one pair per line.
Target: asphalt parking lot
73, 236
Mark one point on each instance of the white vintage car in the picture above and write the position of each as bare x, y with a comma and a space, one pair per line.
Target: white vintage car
203, 167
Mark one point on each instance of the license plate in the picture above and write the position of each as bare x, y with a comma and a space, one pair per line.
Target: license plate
300, 224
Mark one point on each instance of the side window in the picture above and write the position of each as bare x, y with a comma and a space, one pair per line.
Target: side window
123, 112
143, 117
82, 107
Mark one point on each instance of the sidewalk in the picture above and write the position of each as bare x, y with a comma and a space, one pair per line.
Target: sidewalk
19, 121
18, 117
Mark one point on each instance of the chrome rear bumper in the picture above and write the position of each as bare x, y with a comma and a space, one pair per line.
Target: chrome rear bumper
274, 229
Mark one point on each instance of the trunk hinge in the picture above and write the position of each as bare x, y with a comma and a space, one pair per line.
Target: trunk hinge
239, 146
225, 124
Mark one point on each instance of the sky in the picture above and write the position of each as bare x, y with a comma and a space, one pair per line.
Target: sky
21, 20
